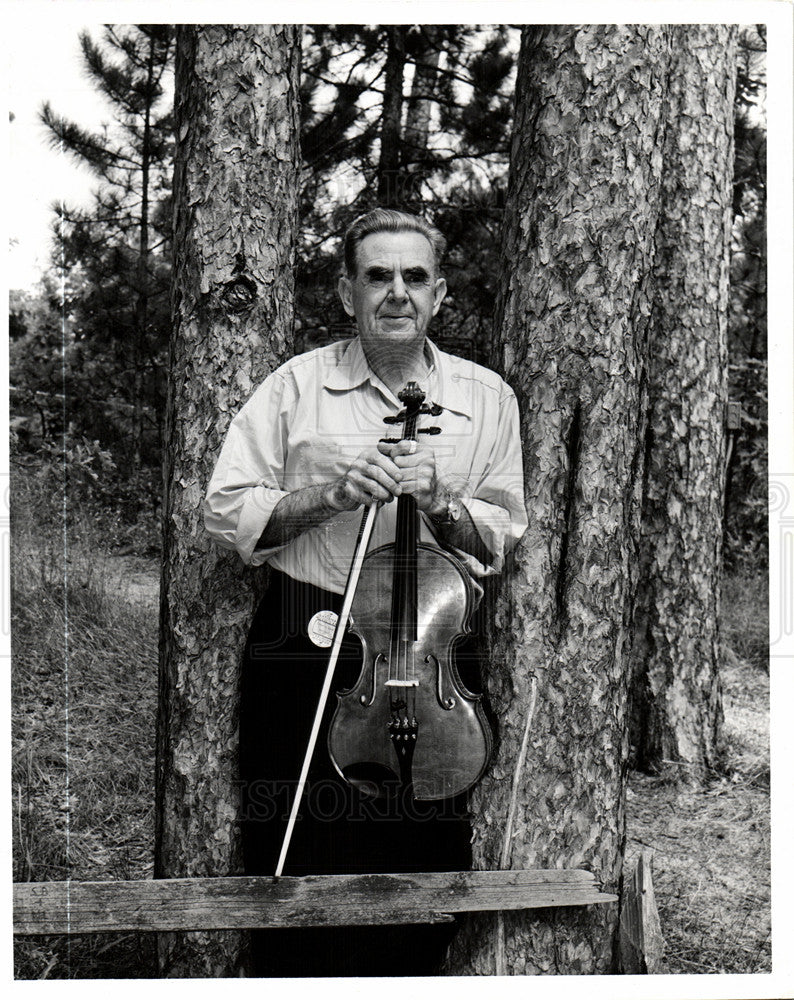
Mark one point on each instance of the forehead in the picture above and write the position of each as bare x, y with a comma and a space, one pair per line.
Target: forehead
408, 249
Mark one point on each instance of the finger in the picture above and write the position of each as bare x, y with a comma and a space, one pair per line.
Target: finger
368, 491
410, 461
375, 481
393, 448
384, 464
378, 494
390, 478
414, 484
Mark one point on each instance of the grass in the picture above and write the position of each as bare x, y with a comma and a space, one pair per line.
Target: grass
83, 793
745, 619
710, 846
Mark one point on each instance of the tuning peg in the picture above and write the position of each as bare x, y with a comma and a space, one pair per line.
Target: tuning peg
390, 440
398, 419
433, 409
429, 430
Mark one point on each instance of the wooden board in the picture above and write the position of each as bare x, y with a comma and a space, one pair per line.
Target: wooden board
640, 941
312, 901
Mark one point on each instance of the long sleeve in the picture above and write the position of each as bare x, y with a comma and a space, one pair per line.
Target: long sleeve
495, 500
248, 479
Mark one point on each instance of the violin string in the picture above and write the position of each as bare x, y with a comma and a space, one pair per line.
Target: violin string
404, 624
409, 433
395, 585
414, 581
399, 584
404, 604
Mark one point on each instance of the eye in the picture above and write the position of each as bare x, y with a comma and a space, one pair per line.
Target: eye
416, 277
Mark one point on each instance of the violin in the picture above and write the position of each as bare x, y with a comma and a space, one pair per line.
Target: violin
409, 721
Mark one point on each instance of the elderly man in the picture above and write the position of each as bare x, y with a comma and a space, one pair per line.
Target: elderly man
300, 459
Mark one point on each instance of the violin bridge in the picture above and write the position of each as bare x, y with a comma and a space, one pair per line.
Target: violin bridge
402, 684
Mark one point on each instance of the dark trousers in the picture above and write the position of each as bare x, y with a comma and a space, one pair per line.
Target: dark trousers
339, 831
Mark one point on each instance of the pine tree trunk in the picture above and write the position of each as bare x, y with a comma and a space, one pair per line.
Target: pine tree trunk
236, 196
389, 188
418, 116
677, 650
420, 101
142, 276
572, 321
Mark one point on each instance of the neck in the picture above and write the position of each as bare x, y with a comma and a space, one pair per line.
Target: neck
396, 364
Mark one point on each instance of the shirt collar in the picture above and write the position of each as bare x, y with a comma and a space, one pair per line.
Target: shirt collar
350, 370
453, 384
453, 375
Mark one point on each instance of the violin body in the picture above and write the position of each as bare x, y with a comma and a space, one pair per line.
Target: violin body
409, 720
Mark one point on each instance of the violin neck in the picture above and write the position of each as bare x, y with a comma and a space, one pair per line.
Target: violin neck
404, 591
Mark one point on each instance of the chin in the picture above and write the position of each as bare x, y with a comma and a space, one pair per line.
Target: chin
400, 332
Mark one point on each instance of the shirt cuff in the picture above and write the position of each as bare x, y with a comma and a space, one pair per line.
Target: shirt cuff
259, 504
495, 528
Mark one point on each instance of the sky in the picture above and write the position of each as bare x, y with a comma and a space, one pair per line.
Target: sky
36, 174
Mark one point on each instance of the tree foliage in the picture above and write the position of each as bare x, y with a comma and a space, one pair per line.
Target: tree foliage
36, 335
416, 117
115, 254
746, 500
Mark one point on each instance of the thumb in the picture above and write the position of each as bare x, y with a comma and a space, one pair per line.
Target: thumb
406, 447
395, 448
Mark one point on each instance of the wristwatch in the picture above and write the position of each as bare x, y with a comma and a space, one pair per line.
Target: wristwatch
451, 511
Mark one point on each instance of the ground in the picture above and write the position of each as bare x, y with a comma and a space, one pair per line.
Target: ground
709, 845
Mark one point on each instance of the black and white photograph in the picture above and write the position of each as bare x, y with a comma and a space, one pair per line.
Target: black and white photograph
398, 530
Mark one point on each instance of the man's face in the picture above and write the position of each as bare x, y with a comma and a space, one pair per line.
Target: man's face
395, 291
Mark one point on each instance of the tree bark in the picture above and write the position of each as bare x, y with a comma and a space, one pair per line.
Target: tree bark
678, 711
420, 101
236, 197
419, 111
143, 271
389, 192
570, 337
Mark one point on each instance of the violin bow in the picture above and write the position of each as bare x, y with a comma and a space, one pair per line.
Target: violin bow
364, 534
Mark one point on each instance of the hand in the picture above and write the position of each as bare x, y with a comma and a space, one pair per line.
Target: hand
372, 476
416, 462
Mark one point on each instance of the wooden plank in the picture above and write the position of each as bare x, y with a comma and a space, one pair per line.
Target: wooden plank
311, 901
640, 941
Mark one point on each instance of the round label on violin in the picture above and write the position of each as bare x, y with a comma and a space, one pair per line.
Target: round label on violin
321, 628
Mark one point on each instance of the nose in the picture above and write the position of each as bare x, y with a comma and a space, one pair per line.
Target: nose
397, 290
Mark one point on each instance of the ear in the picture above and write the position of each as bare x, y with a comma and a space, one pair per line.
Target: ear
439, 292
345, 289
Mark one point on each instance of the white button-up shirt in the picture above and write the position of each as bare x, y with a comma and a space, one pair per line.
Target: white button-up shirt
310, 419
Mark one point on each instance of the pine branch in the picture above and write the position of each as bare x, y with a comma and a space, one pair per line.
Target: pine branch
84, 145
88, 147
113, 82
